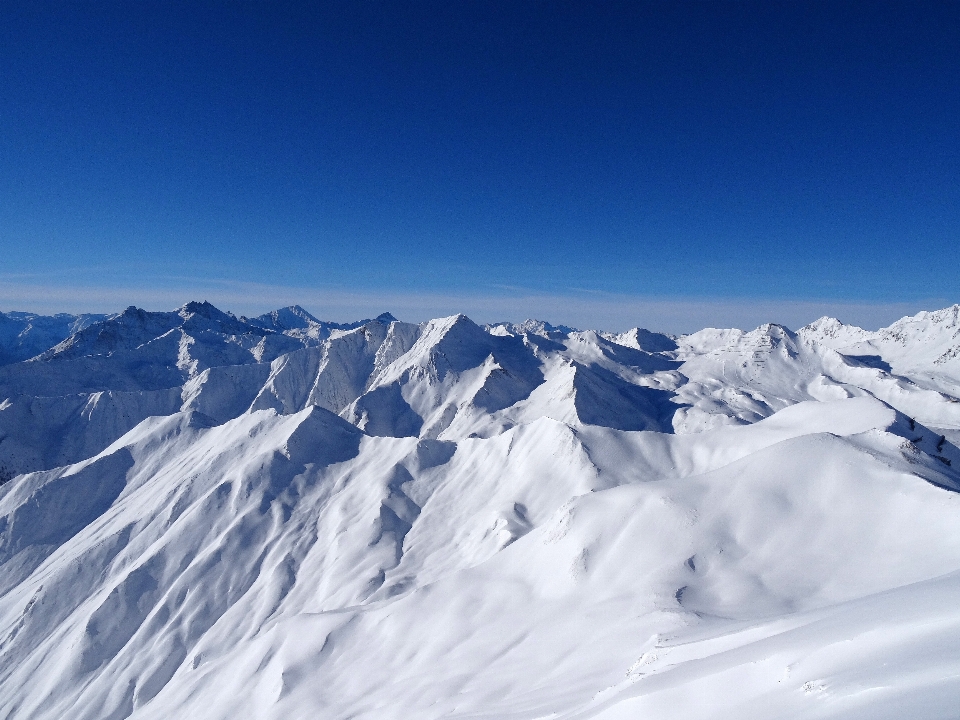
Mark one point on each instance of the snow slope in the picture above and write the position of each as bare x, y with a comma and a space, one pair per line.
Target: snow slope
444, 520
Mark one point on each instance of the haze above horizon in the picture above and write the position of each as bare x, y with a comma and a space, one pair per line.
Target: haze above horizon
586, 164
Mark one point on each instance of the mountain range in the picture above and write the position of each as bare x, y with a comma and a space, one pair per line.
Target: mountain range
212, 516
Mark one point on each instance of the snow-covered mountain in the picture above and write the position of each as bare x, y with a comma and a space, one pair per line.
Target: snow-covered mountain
924, 348
215, 516
24, 335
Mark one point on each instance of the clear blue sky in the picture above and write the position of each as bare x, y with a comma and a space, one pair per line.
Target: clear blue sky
690, 152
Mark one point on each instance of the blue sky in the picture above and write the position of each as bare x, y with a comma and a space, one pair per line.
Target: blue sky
667, 164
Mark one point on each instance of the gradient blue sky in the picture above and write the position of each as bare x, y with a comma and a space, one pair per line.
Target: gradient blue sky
597, 163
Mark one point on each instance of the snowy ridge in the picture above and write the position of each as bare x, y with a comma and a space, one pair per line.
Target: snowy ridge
24, 335
214, 516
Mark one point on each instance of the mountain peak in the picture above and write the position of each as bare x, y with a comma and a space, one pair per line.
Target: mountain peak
530, 326
201, 308
300, 313
292, 317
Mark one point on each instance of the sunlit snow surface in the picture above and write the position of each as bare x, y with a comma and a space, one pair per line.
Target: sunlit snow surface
223, 517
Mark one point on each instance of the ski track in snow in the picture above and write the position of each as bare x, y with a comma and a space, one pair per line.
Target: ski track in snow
212, 516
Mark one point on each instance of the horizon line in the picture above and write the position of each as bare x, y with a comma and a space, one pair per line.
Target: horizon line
597, 310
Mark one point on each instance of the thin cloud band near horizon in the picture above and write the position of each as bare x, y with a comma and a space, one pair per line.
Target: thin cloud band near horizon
586, 310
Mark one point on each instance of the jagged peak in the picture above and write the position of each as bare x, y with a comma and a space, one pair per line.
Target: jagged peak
531, 326
297, 311
202, 308
454, 342
949, 315
775, 328
130, 312
445, 325
829, 326
824, 322
769, 332
295, 317
292, 317
453, 327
